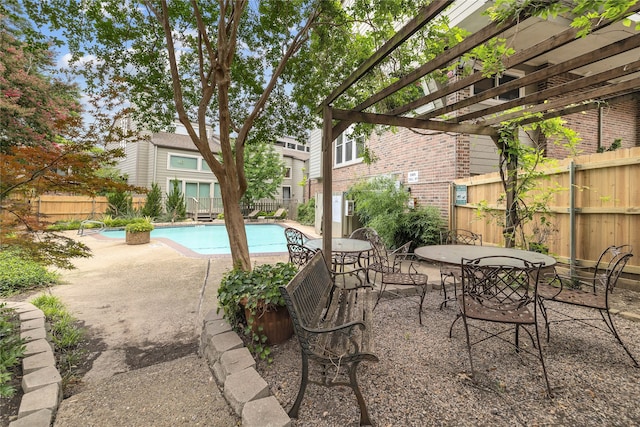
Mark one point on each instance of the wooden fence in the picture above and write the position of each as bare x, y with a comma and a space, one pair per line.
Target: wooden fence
596, 203
52, 208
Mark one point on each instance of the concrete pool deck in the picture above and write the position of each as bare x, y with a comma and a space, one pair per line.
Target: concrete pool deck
142, 302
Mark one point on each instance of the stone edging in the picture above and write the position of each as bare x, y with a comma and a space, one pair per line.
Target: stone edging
234, 369
41, 381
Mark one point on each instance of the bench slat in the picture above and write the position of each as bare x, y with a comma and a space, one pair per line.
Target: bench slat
332, 324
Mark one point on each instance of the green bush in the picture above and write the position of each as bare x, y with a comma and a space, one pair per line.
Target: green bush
12, 349
139, 227
421, 225
175, 205
120, 204
307, 212
72, 224
17, 273
153, 204
382, 205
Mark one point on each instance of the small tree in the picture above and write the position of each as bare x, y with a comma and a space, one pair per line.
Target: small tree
175, 206
153, 203
264, 171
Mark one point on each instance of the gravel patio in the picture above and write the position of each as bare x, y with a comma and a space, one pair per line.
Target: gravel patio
423, 376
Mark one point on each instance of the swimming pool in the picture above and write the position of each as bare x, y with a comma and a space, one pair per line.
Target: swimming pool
213, 239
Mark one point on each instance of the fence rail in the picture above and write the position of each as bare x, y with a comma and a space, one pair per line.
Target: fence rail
596, 203
52, 208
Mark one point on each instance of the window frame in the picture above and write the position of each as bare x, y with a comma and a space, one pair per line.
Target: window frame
496, 77
199, 163
356, 145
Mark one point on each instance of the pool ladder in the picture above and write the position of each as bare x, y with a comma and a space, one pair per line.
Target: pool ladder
83, 230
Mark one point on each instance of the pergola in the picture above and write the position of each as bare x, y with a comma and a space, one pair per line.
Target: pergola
606, 61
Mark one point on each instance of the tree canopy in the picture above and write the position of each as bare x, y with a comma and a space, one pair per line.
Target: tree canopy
42, 146
250, 69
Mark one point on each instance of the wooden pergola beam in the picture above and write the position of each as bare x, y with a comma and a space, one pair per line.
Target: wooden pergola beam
608, 51
408, 122
561, 90
476, 39
592, 96
553, 42
425, 15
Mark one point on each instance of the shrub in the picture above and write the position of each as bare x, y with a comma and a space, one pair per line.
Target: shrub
18, 273
175, 204
153, 204
307, 212
421, 225
139, 227
120, 204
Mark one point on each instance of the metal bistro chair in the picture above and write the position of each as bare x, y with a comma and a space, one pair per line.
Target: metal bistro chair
389, 267
368, 234
295, 237
590, 292
299, 255
453, 272
500, 289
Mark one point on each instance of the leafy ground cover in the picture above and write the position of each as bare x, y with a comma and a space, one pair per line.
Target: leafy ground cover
18, 274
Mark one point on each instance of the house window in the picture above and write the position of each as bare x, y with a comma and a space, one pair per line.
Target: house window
182, 162
348, 149
495, 81
190, 163
286, 192
290, 145
287, 173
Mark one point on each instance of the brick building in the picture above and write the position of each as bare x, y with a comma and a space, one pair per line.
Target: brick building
428, 162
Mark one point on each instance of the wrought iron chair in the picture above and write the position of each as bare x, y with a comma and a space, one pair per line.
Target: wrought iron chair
300, 255
500, 290
590, 292
368, 234
389, 267
294, 235
453, 272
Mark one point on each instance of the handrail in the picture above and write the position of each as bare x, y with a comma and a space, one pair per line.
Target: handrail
83, 231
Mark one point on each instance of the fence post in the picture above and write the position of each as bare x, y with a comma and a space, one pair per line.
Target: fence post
572, 216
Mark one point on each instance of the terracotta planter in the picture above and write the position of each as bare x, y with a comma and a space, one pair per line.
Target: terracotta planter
275, 324
138, 238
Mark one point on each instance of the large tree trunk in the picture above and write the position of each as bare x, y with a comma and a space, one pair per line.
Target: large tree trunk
234, 221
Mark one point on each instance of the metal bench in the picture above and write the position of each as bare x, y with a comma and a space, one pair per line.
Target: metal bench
333, 326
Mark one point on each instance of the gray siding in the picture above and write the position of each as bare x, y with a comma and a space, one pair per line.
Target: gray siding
164, 174
484, 155
315, 158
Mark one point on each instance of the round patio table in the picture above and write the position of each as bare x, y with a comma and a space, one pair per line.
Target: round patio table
453, 254
344, 251
342, 245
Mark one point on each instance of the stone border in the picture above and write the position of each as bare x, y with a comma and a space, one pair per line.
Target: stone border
235, 371
41, 381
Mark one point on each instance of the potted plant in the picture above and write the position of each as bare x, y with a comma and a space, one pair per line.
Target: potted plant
252, 303
138, 232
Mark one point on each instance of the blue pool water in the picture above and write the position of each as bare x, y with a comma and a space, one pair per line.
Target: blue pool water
213, 239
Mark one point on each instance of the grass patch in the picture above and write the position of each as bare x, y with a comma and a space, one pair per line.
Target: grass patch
66, 336
11, 350
17, 273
